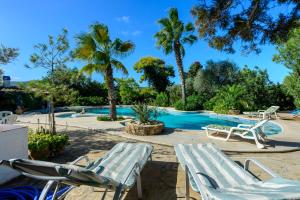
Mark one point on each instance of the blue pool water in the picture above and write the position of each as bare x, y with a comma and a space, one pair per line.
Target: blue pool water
188, 120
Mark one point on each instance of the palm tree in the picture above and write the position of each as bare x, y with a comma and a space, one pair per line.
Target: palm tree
171, 38
101, 53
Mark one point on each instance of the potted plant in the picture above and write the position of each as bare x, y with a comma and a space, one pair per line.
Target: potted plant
42, 145
145, 123
38, 146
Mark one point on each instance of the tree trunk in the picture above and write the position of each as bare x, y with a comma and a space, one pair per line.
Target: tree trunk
180, 70
111, 92
53, 128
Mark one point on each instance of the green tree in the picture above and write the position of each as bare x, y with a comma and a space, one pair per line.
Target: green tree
101, 53
129, 91
7, 55
289, 52
171, 38
194, 69
51, 93
50, 56
256, 82
215, 75
155, 71
289, 55
223, 22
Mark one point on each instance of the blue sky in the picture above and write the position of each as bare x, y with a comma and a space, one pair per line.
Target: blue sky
26, 23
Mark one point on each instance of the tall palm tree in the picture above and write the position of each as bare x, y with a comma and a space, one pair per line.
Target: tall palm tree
171, 38
101, 53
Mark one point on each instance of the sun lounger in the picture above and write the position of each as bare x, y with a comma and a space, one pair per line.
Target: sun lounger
7, 117
264, 114
215, 176
118, 170
246, 131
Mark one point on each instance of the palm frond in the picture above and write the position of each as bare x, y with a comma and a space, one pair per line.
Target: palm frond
86, 47
190, 39
119, 66
164, 41
100, 33
88, 69
189, 27
173, 15
122, 48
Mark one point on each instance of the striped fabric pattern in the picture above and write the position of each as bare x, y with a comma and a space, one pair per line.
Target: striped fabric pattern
216, 169
224, 179
119, 161
110, 170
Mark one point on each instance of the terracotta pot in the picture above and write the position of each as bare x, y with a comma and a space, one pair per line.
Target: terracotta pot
135, 128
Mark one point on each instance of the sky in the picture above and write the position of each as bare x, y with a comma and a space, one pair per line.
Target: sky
26, 23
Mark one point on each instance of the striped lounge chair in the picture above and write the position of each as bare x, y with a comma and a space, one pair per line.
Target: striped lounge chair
212, 174
264, 114
246, 131
118, 170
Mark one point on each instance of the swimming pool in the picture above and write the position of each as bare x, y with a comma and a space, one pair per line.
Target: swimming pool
187, 120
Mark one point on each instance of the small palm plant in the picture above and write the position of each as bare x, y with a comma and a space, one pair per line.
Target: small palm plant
144, 113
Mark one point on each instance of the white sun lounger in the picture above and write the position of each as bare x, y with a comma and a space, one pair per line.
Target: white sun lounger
118, 170
246, 131
7, 117
264, 114
212, 174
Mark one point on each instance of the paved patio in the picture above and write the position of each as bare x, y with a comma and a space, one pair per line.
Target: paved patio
287, 141
161, 179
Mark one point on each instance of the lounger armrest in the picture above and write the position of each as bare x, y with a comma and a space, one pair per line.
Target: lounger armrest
79, 159
200, 186
260, 165
244, 125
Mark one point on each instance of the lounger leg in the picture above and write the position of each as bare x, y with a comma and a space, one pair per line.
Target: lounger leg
104, 194
258, 144
45, 190
139, 187
187, 184
219, 138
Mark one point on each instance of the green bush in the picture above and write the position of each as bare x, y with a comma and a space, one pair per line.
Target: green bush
162, 100
229, 98
90, 101
41, 142
107, 118
193, 102
144, 113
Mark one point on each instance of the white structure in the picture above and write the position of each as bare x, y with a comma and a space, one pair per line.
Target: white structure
13, 144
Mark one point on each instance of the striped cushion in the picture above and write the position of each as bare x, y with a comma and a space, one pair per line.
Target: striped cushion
119, 161
215, 169
111, 170
276, 188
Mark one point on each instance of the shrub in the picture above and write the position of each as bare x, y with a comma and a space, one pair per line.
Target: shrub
193, 102
107, 118
90, 101
46, 144
174, 92
162, 100
144, 113
229, 98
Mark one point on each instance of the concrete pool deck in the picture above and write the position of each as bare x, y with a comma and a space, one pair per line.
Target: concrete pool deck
287, 141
